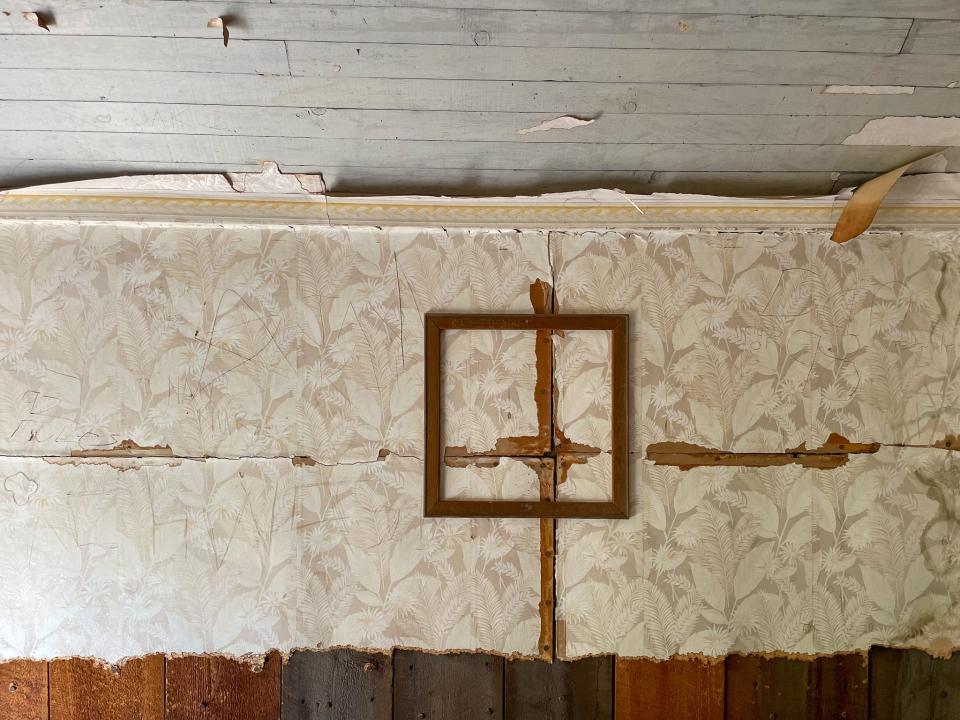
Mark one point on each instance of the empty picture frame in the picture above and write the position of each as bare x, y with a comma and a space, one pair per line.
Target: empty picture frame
546, 461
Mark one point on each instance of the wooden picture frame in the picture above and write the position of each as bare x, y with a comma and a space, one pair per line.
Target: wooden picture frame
434, 503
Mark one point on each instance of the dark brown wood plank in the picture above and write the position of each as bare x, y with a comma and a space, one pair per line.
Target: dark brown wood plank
337, 685
581, 690
209, 687
759, 687
840, 688
677, 689
912, 685
23, 690
81, 689
465, 686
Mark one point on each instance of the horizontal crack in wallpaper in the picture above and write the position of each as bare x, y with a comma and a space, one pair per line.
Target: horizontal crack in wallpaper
281, 369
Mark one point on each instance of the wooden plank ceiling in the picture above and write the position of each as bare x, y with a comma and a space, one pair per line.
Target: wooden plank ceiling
400, 96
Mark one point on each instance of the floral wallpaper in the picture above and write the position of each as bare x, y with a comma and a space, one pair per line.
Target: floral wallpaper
763, 342
283, 367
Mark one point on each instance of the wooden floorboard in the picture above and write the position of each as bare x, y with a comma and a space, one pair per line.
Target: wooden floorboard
211, 687
465, 686
337, 685
578, 690
23, 690
82, 689
677, 689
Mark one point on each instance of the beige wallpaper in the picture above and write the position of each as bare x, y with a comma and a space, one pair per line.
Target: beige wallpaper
243, 347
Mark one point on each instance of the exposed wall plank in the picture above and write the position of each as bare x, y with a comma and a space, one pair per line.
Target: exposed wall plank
603, 65
678, 689
153, 118
466, 686
759, 688
946, 9
941, 37
173, 54
81, 689
840, 688
454, 26
912, 685
23, 690
387, 180
199, 149
210, 687
822, 689
578, 690
577, 98
337, 685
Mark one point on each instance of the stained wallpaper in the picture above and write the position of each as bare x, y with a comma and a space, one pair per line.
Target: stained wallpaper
282, 370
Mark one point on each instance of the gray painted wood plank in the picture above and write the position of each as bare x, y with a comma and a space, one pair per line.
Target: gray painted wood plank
450, 26
173, 54
177, 119
578, 98
946, 9
213, 149
339, 684
940, 37
579, 690
466, 686
465, 182
604, 65
911, 685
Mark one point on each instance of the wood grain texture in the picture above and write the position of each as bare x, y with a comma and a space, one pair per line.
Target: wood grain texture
840, 688
323, 152
578, 690
767, 67
173, 54
455, 26
306, 122
337, 685
677, 689
23, 690
465, 686
761, 688
946, 9
210, 687
941, 37
81, 689
912, 685
577, 98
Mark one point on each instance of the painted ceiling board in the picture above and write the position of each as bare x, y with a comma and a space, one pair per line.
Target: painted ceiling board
304, 122
457, 26
578, 98
217, 149
611, 65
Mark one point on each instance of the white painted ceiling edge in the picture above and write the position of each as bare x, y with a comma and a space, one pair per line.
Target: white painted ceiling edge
922, 200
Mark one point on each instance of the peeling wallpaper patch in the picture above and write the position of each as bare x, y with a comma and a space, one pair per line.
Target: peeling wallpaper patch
292, 357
